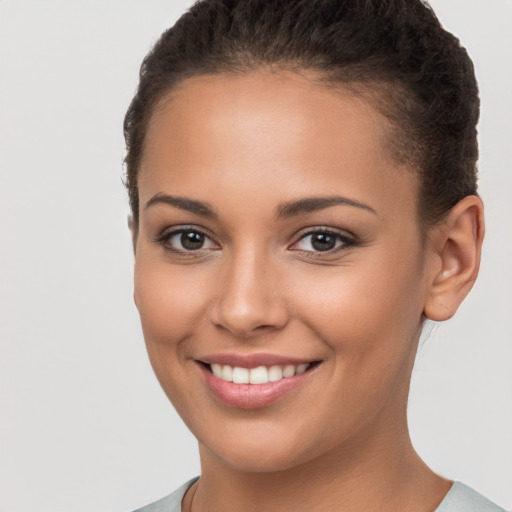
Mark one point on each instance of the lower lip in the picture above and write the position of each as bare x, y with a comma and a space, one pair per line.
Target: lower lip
251, 396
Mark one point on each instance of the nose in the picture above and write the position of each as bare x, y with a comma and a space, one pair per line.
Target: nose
250, 300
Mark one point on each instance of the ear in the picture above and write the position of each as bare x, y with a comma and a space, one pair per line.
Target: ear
134, 229
457, 246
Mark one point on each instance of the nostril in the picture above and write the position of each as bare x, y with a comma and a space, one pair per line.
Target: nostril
252, 316
249, 301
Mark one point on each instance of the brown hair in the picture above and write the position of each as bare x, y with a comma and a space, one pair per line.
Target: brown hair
395, 51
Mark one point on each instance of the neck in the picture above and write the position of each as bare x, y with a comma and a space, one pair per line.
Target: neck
363, 477
377, 469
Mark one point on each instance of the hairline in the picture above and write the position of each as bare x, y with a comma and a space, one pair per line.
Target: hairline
376, 91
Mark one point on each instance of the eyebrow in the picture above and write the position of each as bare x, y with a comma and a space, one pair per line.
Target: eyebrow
312, 204
184, 203
285, 210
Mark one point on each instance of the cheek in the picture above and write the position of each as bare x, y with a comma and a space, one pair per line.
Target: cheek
170, 300
170, 308
364, 309
370, 326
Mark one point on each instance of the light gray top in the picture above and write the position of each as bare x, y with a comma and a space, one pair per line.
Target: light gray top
460, 498
171, 503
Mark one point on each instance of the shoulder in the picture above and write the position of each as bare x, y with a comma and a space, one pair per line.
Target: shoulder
171, 503
462, 498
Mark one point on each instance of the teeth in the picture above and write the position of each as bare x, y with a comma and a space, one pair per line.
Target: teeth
217, 370
259, 375
289, 370
227, 373
240, 375
275, 373
302, 368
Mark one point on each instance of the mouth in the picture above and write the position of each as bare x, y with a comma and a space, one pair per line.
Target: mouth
253, 385
259, 375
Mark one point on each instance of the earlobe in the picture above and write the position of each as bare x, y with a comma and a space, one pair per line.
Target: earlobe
457, 245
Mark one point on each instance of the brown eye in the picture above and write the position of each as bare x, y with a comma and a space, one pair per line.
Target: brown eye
192, 240
323, 241
184, 240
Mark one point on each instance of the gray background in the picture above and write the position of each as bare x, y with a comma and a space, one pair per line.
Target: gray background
84, 425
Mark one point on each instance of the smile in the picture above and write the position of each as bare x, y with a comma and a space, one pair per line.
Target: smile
259, 375
254, 382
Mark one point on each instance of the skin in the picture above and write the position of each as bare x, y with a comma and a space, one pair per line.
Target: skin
245, 146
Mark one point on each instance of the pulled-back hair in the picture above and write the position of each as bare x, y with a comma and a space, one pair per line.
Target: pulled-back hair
393, 52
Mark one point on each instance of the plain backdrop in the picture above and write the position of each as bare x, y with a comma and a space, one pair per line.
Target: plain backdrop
84, 424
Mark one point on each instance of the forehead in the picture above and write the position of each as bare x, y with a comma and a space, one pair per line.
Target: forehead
264, 128
281, 106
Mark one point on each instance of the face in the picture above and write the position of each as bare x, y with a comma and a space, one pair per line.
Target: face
280, 274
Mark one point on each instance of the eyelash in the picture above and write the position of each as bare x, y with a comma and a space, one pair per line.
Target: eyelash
342, 241
165, 237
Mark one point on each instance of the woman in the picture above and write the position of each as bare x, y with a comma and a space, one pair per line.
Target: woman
303, 190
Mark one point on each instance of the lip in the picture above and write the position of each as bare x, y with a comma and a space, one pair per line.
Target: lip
252, 396
252, 360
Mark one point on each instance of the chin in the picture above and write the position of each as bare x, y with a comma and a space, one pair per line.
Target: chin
257, 455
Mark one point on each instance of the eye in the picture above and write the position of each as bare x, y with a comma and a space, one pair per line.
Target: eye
186, 240
322, 241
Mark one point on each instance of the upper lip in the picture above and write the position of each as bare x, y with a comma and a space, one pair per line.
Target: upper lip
253, 360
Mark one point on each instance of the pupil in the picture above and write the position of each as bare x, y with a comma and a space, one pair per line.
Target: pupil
323, 242
192, 240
